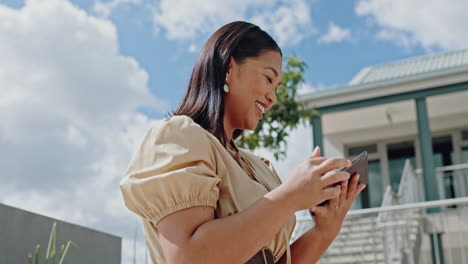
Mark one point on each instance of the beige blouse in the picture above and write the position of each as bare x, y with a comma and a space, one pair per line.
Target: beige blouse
178, 165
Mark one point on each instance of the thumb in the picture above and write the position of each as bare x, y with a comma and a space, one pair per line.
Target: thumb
316, 152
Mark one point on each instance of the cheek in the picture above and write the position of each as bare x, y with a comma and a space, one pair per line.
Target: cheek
247, 91
263, 85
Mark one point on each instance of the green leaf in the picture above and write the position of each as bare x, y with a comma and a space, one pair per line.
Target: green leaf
38, 247
51, 246
51, 253
64, 252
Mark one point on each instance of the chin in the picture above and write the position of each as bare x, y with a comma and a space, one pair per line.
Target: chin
252, 125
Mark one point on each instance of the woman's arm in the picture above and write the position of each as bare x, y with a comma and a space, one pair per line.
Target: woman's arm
328, 221
193, 236
309, 247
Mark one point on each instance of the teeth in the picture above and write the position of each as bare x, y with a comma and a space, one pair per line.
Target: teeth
260, 107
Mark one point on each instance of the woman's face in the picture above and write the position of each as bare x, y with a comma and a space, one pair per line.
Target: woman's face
252, 90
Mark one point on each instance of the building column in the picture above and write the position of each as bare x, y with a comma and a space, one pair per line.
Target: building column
427, 153
430, 182
317, 136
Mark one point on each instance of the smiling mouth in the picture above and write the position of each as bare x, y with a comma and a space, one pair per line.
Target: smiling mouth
259, 106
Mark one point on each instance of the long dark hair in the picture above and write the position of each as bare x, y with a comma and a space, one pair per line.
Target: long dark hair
203, 100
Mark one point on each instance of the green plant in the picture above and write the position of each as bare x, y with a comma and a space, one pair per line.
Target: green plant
51, 253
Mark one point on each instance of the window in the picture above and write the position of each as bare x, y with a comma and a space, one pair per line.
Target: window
465, 134
465, 154
354, 151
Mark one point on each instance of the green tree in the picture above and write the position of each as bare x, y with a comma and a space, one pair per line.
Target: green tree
274, 128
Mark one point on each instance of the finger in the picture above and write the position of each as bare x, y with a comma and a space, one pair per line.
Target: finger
359, 189
352, 186
316, 152
319, 210
316, 161
331, 192
333, 163
334, 177
333, 203
344, 191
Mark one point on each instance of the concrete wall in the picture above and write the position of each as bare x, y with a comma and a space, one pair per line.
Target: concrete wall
21, 231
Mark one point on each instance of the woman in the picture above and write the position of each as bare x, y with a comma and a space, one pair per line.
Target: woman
202, 199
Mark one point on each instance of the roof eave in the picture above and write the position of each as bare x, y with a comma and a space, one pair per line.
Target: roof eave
319, 99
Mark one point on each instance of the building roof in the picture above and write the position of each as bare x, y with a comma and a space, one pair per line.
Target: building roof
394, 73
413, 66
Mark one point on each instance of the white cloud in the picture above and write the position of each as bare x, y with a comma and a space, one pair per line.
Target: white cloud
105, 9
305, 88
68, 119
335, 34
429, 23
192, 48
288, 21
401, 38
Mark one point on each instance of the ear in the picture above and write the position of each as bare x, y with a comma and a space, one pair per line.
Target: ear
231, 66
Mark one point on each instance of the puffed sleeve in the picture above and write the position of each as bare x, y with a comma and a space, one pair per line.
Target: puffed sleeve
172, 169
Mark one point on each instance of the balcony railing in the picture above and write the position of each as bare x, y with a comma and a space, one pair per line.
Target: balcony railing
451, 180
405, 235
404, 229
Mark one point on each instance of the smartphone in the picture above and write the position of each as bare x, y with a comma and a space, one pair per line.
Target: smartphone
359, 166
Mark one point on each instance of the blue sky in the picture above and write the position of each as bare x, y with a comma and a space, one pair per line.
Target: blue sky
169, 62
81, 81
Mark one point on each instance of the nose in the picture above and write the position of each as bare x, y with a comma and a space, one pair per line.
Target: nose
271, 97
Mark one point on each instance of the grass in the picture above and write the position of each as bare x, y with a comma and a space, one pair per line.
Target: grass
51, 253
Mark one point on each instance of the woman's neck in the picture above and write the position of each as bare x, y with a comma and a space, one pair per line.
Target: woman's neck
228, 129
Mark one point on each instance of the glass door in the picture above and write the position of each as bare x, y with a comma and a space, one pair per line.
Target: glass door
397, 154
372, 195
443, 156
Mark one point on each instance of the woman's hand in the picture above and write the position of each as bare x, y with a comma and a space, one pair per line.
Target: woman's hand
329, 218
310, 182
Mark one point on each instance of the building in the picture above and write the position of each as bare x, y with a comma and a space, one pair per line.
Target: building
21, 231
411, 116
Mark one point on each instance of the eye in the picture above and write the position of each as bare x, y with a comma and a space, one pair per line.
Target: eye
268, 78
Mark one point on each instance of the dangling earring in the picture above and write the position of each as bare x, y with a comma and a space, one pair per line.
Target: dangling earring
226, 87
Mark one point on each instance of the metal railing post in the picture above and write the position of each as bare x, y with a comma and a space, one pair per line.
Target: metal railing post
437, 248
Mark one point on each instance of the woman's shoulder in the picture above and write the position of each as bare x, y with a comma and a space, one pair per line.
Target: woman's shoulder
176, 125
178, 129
177, 137
177, 122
